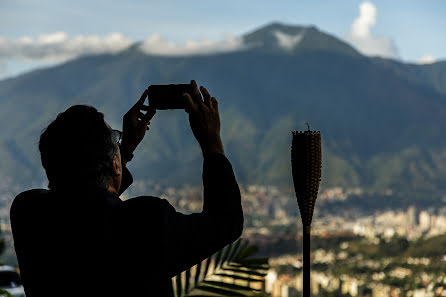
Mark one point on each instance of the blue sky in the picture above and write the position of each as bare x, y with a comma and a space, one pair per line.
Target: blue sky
404, 30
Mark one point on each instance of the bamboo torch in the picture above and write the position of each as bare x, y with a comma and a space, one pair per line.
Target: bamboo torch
306, 163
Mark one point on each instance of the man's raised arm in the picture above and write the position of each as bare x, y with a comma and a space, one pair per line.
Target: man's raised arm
192, 238
134, 126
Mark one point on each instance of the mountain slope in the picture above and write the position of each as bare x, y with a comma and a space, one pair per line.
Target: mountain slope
381, 124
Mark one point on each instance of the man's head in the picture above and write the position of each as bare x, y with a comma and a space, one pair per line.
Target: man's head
78, 150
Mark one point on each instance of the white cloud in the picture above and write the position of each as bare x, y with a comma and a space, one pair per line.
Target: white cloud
156, 45
287, 41
426, 59
58, 47
367, 18
361, 38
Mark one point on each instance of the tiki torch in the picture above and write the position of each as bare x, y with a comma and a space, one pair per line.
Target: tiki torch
306, 163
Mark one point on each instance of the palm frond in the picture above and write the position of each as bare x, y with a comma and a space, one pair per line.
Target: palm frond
232, 271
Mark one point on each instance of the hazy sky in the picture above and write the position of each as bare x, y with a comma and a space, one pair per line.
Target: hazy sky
39, 33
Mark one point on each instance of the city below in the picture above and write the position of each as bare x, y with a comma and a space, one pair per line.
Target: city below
355, 252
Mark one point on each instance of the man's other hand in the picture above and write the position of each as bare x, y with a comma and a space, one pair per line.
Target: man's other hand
135, 123
204, 119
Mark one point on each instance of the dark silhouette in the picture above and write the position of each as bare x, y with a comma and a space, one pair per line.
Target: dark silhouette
306, 165
79, 239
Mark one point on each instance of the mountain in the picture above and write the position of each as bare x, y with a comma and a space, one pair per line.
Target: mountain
381, 120
280, 38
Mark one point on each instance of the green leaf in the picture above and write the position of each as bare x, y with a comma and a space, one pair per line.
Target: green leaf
249, 251
234, 250
187, 282
224, 292
217, 259
179, 285
235, 276
197, 273
241, 250
250, 266
230, 286
197, 295
206, 269
230, 266
226, 255
250, 272
259, 261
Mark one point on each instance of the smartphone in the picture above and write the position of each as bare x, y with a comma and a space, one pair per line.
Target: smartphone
168, 96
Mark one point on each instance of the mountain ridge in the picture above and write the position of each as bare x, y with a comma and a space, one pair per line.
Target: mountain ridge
267, 39
381, 120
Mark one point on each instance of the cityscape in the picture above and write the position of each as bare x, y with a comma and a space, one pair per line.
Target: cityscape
339, 268
381, 252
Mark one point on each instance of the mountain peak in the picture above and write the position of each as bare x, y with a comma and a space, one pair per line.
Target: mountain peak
279, 37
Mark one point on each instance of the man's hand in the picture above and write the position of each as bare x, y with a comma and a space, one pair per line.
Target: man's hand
135, 123
204, 119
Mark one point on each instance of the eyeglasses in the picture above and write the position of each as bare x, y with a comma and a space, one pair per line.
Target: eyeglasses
117, 135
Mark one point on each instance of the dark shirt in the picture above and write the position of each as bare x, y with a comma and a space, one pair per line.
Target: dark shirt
91, 243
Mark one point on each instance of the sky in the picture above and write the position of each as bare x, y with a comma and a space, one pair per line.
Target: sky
40, 33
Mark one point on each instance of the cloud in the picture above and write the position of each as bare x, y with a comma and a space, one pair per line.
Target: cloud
361, 38
426, 59
156, 45
58, 47
287, 41
367, 18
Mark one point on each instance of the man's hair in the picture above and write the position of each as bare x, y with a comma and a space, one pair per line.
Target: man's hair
77, 149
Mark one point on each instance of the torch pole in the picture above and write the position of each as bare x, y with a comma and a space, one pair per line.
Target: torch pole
306, 165
306, 260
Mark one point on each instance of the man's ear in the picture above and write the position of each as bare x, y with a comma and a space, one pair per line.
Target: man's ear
117, 168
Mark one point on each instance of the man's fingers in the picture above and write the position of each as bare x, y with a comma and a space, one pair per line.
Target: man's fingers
148, 116
151, 112
190, 104
206, 96
214, 103
141, 100
196, 95
140, 115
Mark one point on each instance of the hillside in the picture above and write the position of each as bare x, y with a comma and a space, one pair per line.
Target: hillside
381, 120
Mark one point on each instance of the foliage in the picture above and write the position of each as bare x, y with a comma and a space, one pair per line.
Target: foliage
294, 245
431, 247
4, 293
230, 272
394, 247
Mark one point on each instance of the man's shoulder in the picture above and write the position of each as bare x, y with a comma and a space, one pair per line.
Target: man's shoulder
30, 196
146, 202
28, 201
32, 193
143, 210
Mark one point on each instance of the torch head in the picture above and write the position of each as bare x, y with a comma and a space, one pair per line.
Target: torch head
306, 163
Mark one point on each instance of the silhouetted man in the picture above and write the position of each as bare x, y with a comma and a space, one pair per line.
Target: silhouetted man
80, 239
